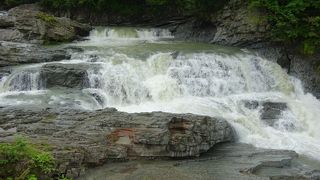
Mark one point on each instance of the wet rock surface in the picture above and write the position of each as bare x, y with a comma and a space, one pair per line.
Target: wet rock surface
233, 25
224, 162
64, 75
12, 53
305, 68
82, 139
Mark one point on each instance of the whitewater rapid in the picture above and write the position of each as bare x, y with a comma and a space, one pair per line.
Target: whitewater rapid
144, 70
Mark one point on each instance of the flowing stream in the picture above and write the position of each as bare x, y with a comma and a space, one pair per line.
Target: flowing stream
143, 70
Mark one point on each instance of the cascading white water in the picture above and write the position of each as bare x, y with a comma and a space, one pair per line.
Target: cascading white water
100, 34
21, 80
142, 72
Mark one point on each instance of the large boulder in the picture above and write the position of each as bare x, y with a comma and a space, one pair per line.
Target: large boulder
22, 53
80, 138
64, 75
27, 23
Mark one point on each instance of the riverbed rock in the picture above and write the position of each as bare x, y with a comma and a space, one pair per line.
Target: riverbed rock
91, 138
225, 161
12, 53
64, 75
6, 21
27, 23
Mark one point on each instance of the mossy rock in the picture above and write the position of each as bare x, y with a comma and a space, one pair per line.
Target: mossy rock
46, 18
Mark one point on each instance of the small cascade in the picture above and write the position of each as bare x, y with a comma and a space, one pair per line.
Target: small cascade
101, 33
22, 80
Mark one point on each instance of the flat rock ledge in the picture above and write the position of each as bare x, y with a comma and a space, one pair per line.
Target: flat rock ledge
226, 161
82, 139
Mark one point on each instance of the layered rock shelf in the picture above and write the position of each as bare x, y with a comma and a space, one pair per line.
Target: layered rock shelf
81, 139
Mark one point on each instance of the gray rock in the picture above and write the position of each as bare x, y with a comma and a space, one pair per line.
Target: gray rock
91, 138
233, 25
225, 161
21, 53
236, 26
64, 75
193, 30
27, 23
11, 34
6, 21
272, 111
305, 68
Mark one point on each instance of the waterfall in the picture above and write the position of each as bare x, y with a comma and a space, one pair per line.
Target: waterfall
160, 77
21, 80
102, 33
144, 70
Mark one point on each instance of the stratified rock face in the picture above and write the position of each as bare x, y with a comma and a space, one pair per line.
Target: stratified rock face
238, 26
21, 53
64, 75
81, 138
26, 23
233, 25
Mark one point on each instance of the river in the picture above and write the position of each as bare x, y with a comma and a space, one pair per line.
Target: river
143, 70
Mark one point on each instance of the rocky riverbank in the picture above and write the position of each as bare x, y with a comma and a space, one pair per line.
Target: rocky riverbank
85, 140
82, 139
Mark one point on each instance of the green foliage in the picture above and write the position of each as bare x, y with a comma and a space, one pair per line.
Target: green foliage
22, 160
64, 178
293, 21
46, 18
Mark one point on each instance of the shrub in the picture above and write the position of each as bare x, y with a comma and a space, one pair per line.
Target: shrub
22, 160
46, 18
293, 21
